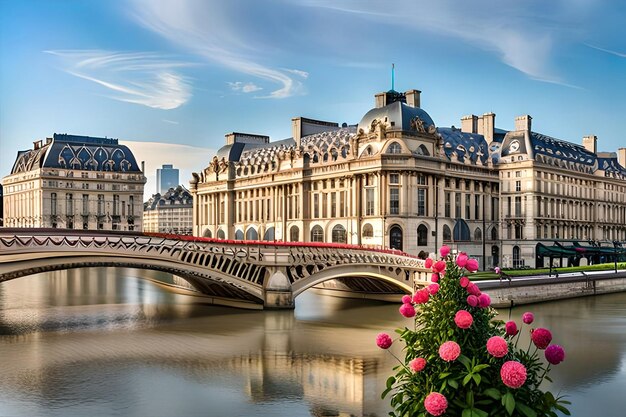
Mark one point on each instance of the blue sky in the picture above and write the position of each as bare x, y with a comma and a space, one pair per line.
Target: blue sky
172, 77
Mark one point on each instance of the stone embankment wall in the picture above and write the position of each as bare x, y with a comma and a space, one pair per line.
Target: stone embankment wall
538, 289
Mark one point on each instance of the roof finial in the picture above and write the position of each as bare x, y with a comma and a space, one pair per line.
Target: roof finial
393, 73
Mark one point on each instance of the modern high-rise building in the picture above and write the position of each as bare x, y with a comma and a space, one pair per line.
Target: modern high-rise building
75, 182
397, 180
167, 177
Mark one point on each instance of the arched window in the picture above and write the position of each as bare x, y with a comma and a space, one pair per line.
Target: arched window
478, 234
239, 234
494, 233
517, 261
368, 230
269, 234
317, 234
221, 234
207, 233
394, 148
339, 234
395, 237
461, 231
422, 235
447, 233
252, 234
294, 234
423, 150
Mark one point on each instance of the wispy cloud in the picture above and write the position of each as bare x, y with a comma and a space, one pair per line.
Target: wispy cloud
184, 157
608, 51
172, 122
138, 77
244, 87
206, 30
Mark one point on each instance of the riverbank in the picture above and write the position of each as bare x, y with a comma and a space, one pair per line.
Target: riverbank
542, 288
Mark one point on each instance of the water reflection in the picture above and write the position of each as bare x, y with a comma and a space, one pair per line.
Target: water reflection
103, 342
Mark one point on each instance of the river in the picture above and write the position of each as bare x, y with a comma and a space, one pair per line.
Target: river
105, 342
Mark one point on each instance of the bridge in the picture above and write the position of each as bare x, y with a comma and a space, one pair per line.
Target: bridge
257, 274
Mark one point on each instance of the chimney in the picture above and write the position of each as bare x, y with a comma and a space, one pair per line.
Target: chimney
413, 98
143, 166
37, 144
591, 143
380, 100
523, 123
621, 156
296, 130
469, 124
487, 126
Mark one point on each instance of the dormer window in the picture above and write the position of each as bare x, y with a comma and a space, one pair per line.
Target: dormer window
394, 148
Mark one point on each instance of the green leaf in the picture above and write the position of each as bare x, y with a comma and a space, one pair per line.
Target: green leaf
467, 379
465, 361
453, 383
467, 412
493, 393
444, 375
480, 413
526, 410
509, 403
390, 381
384, 394
562, 409
479, 368
476, 378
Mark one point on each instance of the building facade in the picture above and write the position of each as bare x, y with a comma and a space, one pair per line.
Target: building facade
169, 213
75, 182
397, 180
167, 177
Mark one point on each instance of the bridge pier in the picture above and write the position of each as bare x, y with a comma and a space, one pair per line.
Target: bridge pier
277, 294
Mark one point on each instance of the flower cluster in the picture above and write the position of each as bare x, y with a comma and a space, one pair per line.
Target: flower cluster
459, 360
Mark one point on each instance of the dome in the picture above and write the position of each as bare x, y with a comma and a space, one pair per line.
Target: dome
399, 116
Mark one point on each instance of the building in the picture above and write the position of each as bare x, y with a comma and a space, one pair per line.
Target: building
169, 213
1, 207
75, 182
397, 180
167, 177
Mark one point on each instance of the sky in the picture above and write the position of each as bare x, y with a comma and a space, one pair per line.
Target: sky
171, 78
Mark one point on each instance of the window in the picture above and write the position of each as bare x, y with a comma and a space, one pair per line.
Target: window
85, 205
478, 234
333, 205
294, 234
252, 234
494, 233
316, 206
100, 204
394, 179
53, 204
518, 186
339, 234
468, 206
342, 203
421, 202
395, 238
317, 234
131, 206
422, 235
457, 205
477, 214
269, 234
394, 200
368, 230
447, 233
517, 262
518, 206
394, 148
369, 202
69, 205
421, 179
447, 213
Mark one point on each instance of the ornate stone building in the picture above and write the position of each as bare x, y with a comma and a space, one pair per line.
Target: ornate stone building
393, 180
169, 213
397, 180
75, 182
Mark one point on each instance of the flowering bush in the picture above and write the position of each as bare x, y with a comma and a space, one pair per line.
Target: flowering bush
461, 362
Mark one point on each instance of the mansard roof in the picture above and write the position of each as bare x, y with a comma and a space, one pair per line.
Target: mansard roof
470, 146
77, 152
397, 115
555, 148
173, 198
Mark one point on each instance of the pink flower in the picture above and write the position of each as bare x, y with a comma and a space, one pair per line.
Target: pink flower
433, 288
497, 269
511, 328
407, 310
464, 281
463, 319
444, 251
473, 289
555, 354
528, 317
428, 263
435, 277
484, 300
417, 364
439, 266
472, 265
541, 337
472, 300
497, 346
449, 351
383, 340
461, 260
513, 374
406, 299
435, 403
421, 296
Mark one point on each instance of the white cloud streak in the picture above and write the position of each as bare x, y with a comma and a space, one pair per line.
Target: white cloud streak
142, 78
608, 51
203, 29
240, 86
186, 158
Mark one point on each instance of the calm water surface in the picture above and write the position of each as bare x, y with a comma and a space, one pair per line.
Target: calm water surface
104, 342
